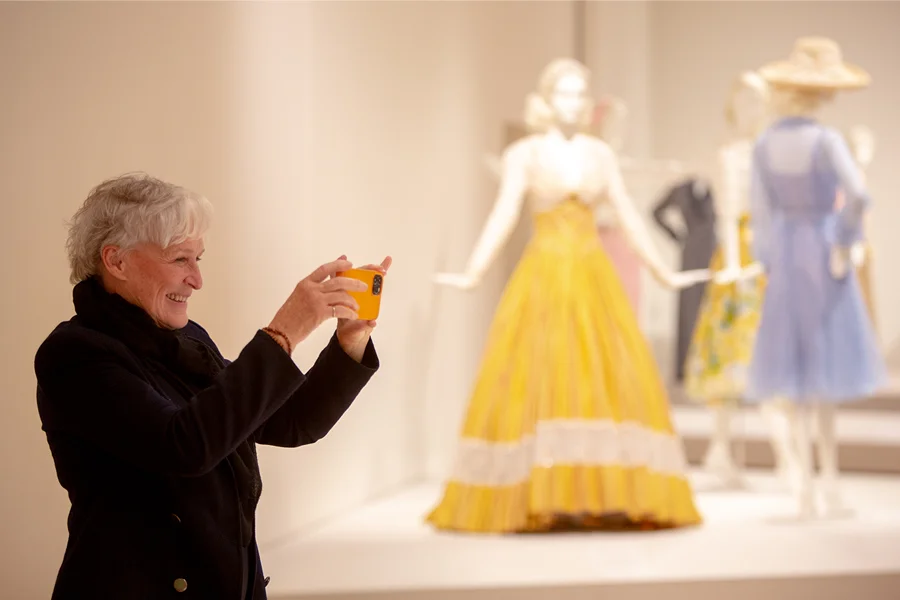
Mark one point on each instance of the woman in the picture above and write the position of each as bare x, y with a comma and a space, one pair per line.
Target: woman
568, 425
152, 430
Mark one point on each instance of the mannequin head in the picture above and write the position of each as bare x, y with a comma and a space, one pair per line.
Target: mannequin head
789, 101
747, 107
562, 98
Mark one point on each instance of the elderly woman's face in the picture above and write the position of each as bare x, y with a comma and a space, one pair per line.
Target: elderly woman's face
161, 280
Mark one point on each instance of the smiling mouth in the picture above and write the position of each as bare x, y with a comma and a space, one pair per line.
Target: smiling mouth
177, 298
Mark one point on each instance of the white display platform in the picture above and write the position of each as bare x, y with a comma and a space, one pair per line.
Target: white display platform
868, 432
871, 427
745, 549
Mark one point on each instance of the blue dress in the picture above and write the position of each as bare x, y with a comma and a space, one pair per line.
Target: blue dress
815, 341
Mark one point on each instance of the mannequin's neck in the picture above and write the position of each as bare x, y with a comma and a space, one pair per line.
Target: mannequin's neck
566, 131
799, 110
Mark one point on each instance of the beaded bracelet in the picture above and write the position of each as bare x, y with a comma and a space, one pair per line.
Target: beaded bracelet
274, 333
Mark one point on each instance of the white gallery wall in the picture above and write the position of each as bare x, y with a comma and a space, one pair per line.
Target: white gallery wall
316, 129
89, 91
398, 101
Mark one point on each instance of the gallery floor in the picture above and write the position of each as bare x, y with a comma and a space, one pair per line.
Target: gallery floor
744, 550
749, 546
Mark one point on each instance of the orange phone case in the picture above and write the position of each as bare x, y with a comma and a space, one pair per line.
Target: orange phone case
369, 300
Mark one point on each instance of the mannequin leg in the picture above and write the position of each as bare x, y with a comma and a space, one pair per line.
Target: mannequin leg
718, 457
828, 460
803, 452
779, 416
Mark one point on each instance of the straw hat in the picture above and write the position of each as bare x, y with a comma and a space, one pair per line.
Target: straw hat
816, 63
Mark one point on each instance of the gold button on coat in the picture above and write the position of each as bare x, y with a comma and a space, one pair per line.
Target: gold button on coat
180, 584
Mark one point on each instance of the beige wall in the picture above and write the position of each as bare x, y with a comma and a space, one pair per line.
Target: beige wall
316, 129
87, 92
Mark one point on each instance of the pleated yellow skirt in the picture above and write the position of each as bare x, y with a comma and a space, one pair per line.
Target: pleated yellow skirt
568, 425
718, 358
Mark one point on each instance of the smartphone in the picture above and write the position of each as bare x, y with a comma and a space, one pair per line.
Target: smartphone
370, 300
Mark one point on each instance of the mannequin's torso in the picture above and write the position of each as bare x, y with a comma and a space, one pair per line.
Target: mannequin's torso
734, 163
556, 168
735, 159
549, 168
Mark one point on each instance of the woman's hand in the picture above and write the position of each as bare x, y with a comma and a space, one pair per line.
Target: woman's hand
352, 333
319, 296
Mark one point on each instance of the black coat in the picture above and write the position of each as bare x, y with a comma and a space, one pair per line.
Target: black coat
147, 465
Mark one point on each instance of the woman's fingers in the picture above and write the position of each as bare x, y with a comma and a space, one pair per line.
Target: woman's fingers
341, 299
329, 269
383, 267
344, 283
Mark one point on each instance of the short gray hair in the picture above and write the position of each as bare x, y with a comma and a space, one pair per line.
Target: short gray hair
132, 209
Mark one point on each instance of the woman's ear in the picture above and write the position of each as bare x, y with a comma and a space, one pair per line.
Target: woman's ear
113, 261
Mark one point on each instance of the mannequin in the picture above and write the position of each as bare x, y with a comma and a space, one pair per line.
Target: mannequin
722, 342
693, 202
609, 123
568, 423
815, 345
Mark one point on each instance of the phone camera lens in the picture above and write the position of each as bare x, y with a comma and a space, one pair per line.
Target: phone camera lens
376, 285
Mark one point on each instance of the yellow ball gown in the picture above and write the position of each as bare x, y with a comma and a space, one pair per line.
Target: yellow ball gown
568, 425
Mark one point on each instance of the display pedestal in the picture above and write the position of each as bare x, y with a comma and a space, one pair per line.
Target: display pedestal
745, 550
868, 432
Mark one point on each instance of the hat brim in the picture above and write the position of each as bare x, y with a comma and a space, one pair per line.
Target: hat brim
788, 74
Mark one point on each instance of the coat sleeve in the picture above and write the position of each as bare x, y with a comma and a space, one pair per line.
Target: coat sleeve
849, 227
331, 386
91, 388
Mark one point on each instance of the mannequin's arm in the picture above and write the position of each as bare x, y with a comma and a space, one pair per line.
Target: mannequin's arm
856, 198
659, 215
637, 233
501, 221
730, 212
